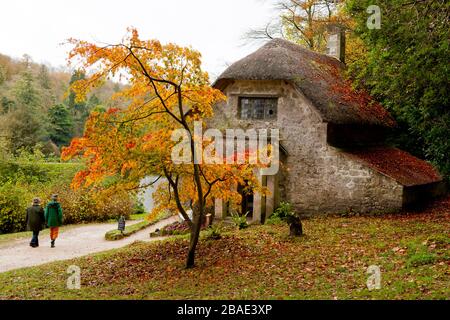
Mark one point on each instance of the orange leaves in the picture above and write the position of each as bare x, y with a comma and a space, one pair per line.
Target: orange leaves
112, 110
80, 88
130, 145
127, 166
152, 70
166, 90
77, 147
79, 179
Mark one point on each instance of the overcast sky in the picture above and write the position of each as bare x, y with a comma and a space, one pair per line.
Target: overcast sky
214, 27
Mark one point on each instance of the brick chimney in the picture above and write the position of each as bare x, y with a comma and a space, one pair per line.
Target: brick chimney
336, 42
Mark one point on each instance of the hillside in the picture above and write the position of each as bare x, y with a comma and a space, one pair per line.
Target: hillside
37, 108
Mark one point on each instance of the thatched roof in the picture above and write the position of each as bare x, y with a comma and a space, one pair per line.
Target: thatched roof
398, 165
319, 77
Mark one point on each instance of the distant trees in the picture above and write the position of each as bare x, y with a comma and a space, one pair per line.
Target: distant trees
34, 109
308, 23
80, 109
60, 125
44, 78
22, 129
305, 21
25, 125
2, 75
302, 21
25, 90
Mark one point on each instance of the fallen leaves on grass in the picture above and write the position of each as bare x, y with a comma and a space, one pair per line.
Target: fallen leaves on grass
262, 262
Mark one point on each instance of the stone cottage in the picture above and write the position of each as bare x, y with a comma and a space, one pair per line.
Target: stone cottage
333, 154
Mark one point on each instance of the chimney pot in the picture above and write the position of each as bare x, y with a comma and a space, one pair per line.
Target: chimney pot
336, 42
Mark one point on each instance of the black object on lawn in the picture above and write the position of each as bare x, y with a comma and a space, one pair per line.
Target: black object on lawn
121, 226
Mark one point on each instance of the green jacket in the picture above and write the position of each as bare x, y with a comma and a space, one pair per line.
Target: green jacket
53, 214
35, 218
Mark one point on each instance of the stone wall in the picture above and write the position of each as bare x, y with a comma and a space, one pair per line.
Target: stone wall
316, 177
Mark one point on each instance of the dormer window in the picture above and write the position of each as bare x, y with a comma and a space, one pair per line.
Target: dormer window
254, 108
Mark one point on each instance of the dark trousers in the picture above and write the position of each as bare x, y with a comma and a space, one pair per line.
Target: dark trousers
34, 239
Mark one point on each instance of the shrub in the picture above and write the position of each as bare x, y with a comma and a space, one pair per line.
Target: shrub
13, 202
83, 205
213, 232
175, 229
240, 220
26, 171
283, 211
79, 206
26, 176
138, 208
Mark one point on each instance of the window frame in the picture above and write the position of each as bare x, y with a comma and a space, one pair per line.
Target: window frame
252, 115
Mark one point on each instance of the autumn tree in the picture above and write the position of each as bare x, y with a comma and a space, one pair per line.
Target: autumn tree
166, 92
302, 21
305, 21
309, 22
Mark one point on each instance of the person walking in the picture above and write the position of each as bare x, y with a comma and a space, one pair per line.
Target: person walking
35, 221
54, 218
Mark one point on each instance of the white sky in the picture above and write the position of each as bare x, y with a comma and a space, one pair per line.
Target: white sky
214, 27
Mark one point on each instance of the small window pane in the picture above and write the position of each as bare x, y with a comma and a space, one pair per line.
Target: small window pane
258, 108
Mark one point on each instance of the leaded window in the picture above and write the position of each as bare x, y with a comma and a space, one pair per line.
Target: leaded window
252, 108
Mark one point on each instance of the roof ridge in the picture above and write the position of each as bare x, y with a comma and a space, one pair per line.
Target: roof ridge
318, 76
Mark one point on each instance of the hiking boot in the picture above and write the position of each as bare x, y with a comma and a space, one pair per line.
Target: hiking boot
53, 244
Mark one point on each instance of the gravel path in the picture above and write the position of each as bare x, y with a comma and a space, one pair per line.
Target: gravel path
72, 243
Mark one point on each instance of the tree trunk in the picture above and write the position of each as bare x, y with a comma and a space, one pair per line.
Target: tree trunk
195, 233
199, 207
198, 211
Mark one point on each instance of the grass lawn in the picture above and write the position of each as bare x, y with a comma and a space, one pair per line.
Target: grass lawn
262, 262
138, 216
